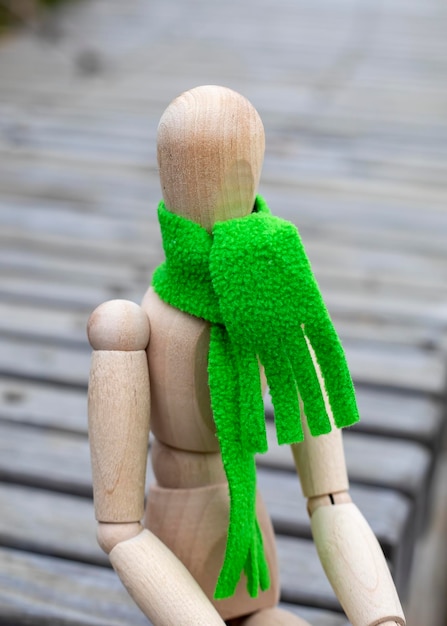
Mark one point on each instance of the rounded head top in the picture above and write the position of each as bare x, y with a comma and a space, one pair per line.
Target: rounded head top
210, 153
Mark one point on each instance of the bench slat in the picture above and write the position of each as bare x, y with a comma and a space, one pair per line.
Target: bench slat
414, 416
405, 368
37, 589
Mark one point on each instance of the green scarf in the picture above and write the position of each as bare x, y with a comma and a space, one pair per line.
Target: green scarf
251, 279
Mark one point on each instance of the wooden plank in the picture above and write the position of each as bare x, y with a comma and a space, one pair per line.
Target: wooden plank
317, 591
354, 263
372, 159
61, 294
363, 326
79, 271
75, 135
45, 363
43, 590
348, 292
317, 617
57, 195
333, 262
414, 417
427, 242
383, 324
60, 218
45, 458
48, 460
346, 303
110, 190
32, 455
361, 310
68, 247
405, 367
319, 216
429, 574
379, 325
403, 415
354, 304
123, 135
120, 134
44, 324
393, 266
57, 525
209, 60
45, 406
39, 589
335, 206
393, 413
406, 467
31, 320
50, 523
60, 524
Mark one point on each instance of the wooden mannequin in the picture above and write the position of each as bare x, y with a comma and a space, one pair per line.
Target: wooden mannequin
210, 153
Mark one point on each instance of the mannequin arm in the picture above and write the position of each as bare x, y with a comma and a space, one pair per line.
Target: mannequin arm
350, 554
119, 406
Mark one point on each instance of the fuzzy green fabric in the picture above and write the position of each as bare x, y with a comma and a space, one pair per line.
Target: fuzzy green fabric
251, 279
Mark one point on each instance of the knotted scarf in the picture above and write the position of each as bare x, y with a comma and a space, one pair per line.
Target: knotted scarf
251, 279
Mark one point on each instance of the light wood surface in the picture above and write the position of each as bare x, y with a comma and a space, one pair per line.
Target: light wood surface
118, 325
320, 462
353, 562
193, 524
210, 147
178, 357
160, 585
182, 469
118, 410
119, 433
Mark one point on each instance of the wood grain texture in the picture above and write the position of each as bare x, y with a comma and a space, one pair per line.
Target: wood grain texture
366, 458
415, 417
39, 589
210, 148
118, 325
119, 411
161, 586
320, 463
193, 523
354, 563
182, 469
180, 397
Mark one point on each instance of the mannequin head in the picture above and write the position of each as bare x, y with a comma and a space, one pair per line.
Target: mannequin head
210, 153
